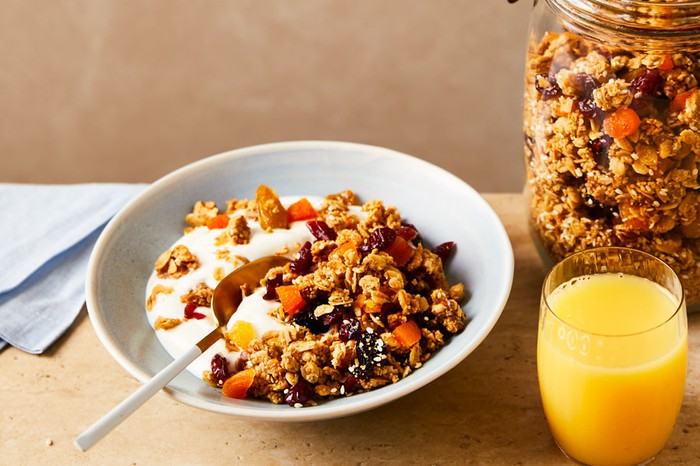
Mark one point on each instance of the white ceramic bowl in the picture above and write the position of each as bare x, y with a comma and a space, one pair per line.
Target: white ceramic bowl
443, 207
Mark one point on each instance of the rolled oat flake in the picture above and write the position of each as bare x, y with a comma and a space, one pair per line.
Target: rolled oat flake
612, 130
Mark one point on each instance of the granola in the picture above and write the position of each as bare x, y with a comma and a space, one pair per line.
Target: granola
362, 304
176, 262
612, 139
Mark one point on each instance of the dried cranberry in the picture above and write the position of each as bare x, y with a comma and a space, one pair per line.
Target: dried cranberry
426, 320
191, 312
444, 250
595, 209
649, 83
189, 309
386, 309
349, 330
306, 318
300, 394
600, 147
349, 385
407, 232
583, 85
304, 260
337, 316
219, 368
380, 239
271, 288
321, 230
647, 105
589, 108
549, 92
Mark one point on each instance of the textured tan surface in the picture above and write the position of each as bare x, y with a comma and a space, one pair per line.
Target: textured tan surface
486, 411
127, 90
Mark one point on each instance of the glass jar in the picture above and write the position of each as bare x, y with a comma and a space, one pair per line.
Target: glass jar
612, 130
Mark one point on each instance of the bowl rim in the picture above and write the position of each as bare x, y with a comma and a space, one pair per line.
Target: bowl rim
352, 405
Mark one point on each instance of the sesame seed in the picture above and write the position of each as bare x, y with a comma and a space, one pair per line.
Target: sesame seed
298, 405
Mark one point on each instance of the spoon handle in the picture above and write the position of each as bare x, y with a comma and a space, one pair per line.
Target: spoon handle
124, 409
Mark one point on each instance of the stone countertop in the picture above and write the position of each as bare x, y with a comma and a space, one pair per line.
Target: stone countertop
485, 411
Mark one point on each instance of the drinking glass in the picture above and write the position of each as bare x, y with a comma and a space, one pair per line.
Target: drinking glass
612, 354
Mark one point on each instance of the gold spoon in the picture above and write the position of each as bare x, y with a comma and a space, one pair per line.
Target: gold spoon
227, 296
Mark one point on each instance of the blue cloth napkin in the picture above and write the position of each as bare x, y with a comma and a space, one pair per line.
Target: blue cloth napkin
46, 236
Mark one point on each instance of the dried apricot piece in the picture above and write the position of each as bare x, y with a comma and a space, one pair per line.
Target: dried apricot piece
407, 334
632, 217
241, 334
372, 307
400, 250
301, 210
621, 123
238, 384
271, 212
368, 305
343, 250
667, 63
678, 102
218, 221
291, 299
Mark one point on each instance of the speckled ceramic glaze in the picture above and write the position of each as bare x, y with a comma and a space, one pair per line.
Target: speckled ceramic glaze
443, 207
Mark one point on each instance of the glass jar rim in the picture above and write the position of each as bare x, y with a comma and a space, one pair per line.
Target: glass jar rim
670, 7
548, 308
628, 21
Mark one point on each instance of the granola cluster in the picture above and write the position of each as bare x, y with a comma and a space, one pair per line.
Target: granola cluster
612, 139
176, 262
362, 305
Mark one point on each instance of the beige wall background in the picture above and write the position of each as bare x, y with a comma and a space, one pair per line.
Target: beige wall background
128, 90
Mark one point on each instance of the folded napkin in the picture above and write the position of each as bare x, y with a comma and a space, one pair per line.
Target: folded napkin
47, 235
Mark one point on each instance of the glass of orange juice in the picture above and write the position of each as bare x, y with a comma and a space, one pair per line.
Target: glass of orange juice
612, 351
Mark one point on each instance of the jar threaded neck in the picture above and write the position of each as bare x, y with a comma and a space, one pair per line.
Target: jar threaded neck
626, 22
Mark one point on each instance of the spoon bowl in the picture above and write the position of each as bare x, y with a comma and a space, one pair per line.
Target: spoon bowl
227, 296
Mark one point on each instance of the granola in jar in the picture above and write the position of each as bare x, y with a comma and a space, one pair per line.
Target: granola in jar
362, 303
612, 134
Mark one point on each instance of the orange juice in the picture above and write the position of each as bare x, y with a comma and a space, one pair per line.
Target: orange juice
611, 387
